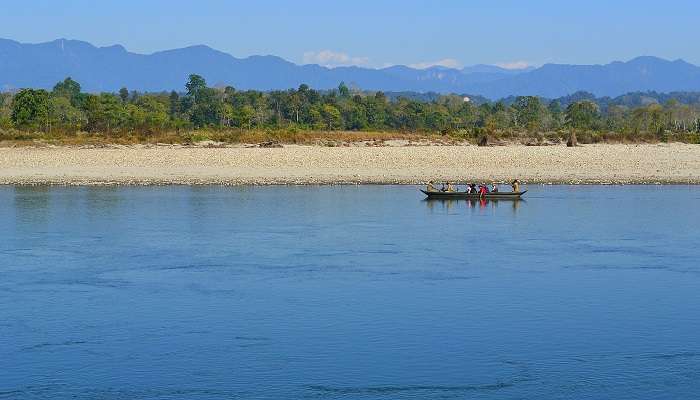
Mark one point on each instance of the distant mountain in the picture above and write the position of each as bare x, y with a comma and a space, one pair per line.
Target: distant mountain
110, 68
614, 79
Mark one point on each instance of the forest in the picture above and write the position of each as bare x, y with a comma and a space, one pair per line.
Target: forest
201, 112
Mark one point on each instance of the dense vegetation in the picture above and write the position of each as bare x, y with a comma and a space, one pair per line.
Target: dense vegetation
224, 113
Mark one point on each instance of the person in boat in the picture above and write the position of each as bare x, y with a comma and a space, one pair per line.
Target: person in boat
516, 186
494, 188
443, 188
483, 190
450, 188
473, 189
431, 187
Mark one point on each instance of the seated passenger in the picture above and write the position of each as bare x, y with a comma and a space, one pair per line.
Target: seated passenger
494, 188
431, 187
450, 188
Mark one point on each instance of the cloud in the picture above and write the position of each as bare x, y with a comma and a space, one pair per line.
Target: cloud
514, 64
331, 59
445, 62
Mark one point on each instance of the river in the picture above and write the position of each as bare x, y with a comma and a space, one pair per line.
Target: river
348, 292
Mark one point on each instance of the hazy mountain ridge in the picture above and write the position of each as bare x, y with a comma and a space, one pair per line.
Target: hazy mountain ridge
110, 68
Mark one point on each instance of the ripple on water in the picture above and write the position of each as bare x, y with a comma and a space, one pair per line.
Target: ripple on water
371, 293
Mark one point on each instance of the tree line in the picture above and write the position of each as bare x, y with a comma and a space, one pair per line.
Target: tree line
66, 110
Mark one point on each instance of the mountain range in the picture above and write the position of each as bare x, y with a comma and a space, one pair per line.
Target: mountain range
109, 68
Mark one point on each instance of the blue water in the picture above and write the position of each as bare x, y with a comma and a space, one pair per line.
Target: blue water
351, 292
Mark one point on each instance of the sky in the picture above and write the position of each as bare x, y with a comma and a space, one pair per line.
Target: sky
374, 33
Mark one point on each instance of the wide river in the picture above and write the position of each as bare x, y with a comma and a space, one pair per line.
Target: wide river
348, 292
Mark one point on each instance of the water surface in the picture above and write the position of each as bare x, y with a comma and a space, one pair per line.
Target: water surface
350, 292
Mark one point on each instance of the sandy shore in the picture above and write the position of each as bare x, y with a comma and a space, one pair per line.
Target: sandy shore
663, 163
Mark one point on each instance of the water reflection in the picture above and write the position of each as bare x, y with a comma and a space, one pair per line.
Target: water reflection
31, 204
476, 204
99, 200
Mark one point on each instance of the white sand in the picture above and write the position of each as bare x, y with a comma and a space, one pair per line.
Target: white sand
663, 163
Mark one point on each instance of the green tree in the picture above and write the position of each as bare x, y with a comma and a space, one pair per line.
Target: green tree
498, 117
555, 113
69, 89
66, 109
148, 114
204, 104
207, 109
174, 104
276, 100
354, 114
376, 110
343, 90
438, 119
243, 116
331, 117
467, 116
227, 114
63, 115
259, 104
30, 109
582, 114
295, 105
105, 113
315, 117
640, 120
124, 94
195, 84
529, 112
656, 115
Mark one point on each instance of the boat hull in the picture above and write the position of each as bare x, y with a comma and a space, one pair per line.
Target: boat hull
469, 196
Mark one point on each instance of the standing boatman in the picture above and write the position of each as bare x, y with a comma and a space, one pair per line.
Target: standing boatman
516, 186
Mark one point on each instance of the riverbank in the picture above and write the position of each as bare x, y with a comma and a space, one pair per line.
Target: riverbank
293, 164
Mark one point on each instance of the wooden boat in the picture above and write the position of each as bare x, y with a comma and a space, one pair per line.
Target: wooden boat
475, 196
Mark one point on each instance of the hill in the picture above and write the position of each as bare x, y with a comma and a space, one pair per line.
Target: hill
110, 68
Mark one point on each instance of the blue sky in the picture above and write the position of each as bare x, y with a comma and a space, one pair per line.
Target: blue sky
374, 33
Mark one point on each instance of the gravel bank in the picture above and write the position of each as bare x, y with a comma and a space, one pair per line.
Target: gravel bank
139, 165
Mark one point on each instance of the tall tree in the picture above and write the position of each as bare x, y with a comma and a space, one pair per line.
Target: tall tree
582, 114
343, 90
195, 84
105, 113
124, 94
331, 117
174, 104
528, 112
30, 109
555, 113
205, 106
69, 89
63, 115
